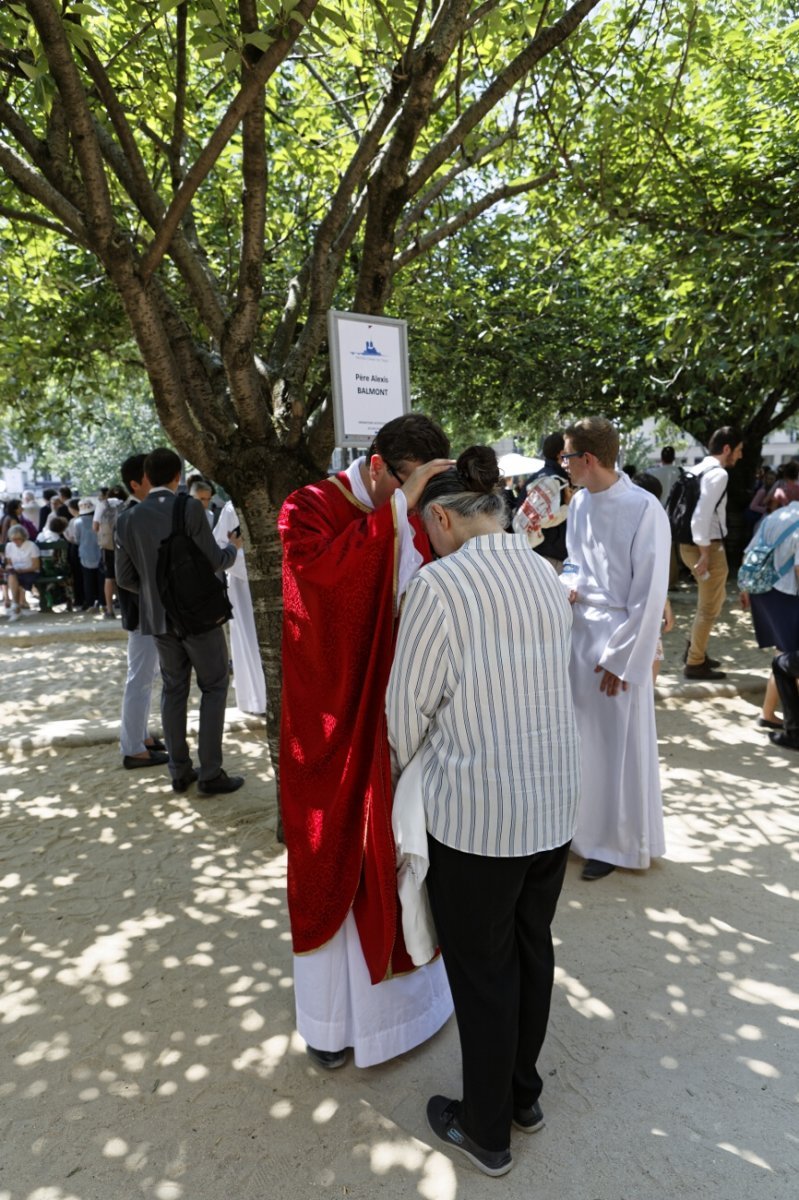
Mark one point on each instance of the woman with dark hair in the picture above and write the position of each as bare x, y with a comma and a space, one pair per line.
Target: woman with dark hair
500, 783
786, 491
13, 515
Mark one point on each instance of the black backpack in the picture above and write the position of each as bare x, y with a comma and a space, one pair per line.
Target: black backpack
681, 503
193, 595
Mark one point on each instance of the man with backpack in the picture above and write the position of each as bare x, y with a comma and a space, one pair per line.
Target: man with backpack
145, 536
704, 554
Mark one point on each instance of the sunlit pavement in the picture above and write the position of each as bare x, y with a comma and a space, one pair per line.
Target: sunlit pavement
147, 1011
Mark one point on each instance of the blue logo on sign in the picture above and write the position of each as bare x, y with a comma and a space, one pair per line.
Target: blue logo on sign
369, 351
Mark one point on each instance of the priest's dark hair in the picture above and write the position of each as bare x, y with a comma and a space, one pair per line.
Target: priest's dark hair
413, 437
471, 488
161, 466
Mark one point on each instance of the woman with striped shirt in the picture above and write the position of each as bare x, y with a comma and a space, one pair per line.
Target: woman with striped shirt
480, 689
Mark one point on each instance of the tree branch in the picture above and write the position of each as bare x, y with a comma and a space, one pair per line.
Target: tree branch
32, 218
179, 121
38, 188
467, 163
268, 63
346, 115
240, 364
541, 45
466, 216
99, 213
190, 261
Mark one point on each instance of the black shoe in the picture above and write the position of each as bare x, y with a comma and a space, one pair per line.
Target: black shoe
702, 671
788, 741
154, 759
156, 744
596, 869
220, 784
442, 1117
764, 723
529, 1119
709, 662
328, 1060
184, 781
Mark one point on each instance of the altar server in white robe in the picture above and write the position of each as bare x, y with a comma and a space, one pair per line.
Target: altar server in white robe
248, 673
618, 542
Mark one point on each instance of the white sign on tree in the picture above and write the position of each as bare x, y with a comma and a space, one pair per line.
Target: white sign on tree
369, 374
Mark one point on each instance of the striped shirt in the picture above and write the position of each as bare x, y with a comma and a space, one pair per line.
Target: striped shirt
481, 677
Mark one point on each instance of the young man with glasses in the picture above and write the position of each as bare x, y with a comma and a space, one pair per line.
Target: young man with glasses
351, 545
619, 541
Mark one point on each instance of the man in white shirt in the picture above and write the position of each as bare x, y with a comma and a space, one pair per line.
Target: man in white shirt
705, 556
618, 539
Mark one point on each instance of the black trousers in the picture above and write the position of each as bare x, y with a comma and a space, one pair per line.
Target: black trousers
786, 672
493, 918
92, 585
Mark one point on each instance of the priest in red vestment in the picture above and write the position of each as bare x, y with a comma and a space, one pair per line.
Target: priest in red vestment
350, 547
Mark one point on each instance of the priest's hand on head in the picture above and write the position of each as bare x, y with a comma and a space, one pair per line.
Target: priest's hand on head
610, 684
418, 479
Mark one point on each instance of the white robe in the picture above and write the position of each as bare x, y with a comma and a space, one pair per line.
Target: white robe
339, 1006
620, 541
248, 673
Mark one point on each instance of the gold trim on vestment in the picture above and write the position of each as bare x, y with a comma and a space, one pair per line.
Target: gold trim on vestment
395, 581
358, 503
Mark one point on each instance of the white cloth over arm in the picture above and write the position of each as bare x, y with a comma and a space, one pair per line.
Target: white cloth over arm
621, 542
410, 837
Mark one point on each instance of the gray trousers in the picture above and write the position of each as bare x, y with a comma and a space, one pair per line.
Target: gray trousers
207, 653
142, 666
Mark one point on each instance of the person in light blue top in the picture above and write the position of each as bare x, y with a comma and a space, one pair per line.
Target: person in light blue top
775, 617
89, 555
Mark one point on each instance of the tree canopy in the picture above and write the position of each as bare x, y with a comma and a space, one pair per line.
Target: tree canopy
591, 201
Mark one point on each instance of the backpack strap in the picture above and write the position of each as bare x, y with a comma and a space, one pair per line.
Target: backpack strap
700, 474
786, 566
179, 513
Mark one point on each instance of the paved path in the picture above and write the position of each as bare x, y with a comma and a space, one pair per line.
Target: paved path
147, 1013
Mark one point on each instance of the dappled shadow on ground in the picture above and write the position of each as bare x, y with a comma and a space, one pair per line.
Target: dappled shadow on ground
148, 1023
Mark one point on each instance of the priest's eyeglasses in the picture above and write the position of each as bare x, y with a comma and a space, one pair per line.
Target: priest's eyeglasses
393, 472
564, 458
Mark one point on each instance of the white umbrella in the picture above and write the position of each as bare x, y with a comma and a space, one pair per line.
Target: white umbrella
518, 464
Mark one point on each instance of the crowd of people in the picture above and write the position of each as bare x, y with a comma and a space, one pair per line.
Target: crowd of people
408, 766
99, 575
413, 608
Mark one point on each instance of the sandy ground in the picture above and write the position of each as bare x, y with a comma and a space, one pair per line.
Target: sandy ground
147, 1040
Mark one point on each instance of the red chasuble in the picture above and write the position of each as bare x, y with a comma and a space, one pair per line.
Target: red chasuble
340, 562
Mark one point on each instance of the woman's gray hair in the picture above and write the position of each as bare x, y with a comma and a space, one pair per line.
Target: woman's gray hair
13, 530
471, 488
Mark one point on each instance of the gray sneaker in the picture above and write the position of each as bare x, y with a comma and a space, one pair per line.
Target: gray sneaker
442, 1117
